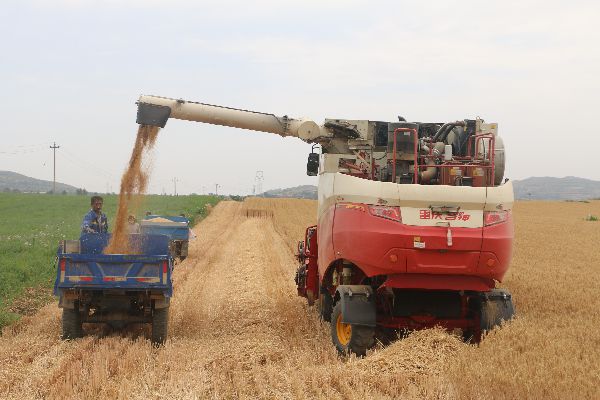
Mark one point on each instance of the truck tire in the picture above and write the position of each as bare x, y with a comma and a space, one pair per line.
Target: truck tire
71, 324
324, 306
349, 338
160, 324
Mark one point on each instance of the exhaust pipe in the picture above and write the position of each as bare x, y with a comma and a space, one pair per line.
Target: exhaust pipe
431, 170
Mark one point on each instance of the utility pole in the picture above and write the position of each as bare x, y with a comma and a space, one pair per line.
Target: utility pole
216, 189
175, 184
258, 179
54, 147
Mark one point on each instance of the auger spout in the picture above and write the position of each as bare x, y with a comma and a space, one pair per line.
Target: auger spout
156, 110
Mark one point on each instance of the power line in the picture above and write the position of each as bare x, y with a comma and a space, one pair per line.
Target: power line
25, 149
86, 164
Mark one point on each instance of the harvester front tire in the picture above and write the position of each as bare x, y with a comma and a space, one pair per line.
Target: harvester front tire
71, 324
347, 338
160, 325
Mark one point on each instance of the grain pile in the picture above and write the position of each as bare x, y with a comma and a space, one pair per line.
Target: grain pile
238, 330
160, 219
133, 186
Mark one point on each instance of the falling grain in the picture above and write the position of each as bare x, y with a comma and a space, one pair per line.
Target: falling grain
133, 187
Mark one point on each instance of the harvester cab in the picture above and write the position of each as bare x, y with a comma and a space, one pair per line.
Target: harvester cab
414, 219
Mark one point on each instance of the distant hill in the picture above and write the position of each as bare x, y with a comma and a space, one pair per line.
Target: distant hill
11, 181
535, 188
549, 188
298, 192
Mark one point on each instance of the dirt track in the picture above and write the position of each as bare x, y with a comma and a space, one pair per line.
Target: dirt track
237, 329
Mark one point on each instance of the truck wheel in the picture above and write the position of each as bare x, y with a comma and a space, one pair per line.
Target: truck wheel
160, 323
349, 338
324, 306
71, 324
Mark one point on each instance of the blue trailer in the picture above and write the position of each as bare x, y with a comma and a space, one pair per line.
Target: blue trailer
177, 228
115, 289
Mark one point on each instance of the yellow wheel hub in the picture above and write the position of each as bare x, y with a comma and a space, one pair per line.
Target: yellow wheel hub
344, 331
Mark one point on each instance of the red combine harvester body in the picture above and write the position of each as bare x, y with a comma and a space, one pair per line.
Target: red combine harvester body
437, 287
414, 226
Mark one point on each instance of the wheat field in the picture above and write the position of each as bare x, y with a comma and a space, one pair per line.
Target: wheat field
238, 330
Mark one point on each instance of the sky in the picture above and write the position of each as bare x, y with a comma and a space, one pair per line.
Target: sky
71, 72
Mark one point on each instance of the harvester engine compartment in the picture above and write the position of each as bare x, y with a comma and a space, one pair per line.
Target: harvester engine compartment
459, 153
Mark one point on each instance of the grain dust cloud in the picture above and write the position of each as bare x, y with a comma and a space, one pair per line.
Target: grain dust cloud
133, 186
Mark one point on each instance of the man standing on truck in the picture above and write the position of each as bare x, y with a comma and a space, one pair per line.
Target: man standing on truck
95, 220
132, 225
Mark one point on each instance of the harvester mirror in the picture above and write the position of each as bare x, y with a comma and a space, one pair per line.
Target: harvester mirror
312, 166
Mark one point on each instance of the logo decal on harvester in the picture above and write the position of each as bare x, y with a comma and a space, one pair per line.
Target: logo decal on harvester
459, 216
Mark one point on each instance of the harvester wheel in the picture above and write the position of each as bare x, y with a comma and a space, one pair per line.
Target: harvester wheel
71, 324
160, 324
349, 338
324, 306
310, 297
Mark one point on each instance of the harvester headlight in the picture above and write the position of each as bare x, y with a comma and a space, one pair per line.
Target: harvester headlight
386, 212
495, 217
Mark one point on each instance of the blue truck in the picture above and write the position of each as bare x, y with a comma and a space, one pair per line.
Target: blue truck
177, 228
114, 289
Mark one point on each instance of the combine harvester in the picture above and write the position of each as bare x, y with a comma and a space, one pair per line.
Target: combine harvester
414, 220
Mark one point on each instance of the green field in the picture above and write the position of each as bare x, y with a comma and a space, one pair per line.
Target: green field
31, 225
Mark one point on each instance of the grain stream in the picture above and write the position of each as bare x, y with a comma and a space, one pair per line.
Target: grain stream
133, 188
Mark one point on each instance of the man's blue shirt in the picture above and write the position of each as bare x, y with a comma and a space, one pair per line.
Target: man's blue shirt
94, 223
